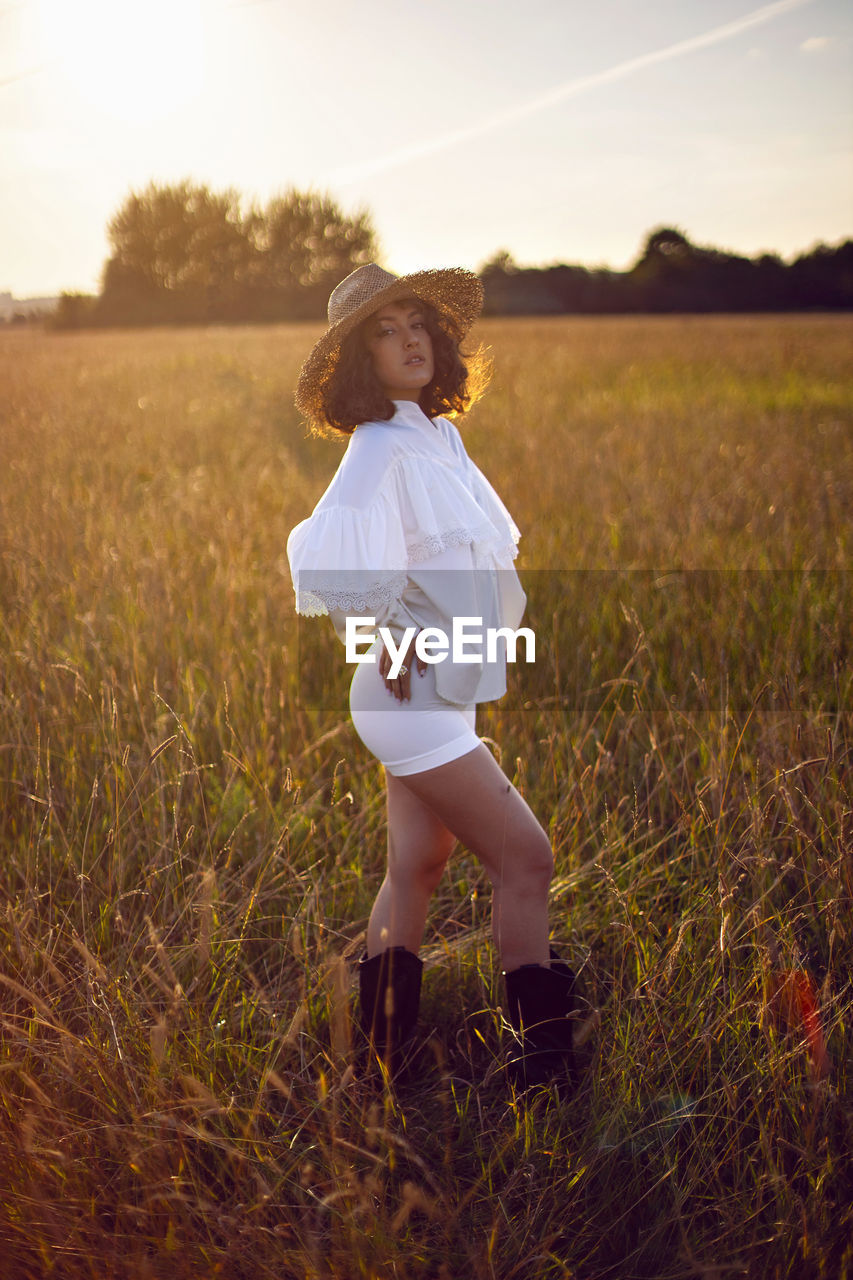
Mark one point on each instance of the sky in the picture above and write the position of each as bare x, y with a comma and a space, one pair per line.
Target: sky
556, 130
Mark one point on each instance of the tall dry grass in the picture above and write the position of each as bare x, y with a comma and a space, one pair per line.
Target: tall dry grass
190, 850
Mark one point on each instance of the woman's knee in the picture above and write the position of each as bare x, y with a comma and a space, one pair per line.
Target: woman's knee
424, 873
531, 868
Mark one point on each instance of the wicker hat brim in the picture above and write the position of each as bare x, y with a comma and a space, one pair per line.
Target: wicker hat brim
455, 293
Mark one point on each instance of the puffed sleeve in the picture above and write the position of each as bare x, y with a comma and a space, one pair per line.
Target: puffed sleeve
345, 559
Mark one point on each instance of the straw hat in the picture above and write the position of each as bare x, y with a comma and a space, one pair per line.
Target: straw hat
455, 293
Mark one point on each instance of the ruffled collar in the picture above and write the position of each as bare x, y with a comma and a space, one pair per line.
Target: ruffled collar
408, 413
411, 413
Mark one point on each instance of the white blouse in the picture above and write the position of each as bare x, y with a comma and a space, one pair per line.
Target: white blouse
411, 533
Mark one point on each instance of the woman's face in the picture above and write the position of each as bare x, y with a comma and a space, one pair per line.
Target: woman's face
401, 349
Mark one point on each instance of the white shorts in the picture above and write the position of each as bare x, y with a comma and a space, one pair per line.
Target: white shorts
409, 737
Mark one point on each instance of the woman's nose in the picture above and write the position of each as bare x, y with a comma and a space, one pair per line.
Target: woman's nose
412, 338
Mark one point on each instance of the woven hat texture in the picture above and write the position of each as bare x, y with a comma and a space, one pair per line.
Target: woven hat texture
455, 293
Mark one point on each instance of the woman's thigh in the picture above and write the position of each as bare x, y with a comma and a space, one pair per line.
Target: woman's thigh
473, 798
419, 843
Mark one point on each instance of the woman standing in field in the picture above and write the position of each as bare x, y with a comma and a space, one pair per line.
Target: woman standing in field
410, 534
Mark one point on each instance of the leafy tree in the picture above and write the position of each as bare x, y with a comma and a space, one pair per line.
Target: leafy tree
666, 244
181, 252
501, 263
661, 279
305, 245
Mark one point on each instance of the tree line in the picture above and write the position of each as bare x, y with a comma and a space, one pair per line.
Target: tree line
183, 254
673, 275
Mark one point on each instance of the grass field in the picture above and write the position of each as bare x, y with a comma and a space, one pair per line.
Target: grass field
190, 850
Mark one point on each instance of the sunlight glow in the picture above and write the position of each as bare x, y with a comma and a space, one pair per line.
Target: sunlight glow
136, 60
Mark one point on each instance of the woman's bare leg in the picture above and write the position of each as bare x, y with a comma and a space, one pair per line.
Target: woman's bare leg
419, 845
472, 798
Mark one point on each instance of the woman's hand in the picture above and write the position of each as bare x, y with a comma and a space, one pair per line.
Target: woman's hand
402, 686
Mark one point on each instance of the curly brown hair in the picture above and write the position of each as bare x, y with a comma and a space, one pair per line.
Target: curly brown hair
353, 393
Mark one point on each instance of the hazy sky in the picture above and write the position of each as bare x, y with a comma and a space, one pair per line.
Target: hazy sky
561, 130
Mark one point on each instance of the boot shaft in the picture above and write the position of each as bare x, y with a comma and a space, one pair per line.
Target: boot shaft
543, 1006
389, 996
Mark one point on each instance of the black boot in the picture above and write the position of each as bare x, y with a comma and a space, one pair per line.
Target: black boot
390, 992
544, 1008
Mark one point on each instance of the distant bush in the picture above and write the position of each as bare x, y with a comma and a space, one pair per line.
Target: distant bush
73, 311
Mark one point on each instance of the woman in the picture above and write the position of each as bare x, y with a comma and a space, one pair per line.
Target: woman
411, 535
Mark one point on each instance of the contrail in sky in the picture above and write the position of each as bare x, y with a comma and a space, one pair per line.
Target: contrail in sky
353, 173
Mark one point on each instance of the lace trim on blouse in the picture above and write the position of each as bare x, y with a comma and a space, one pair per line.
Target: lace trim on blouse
322, 600
482, 537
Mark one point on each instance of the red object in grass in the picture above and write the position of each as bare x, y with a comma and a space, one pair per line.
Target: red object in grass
792, 1000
